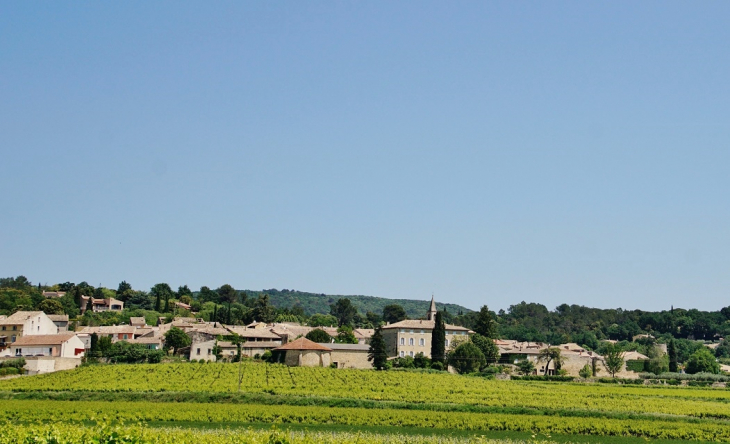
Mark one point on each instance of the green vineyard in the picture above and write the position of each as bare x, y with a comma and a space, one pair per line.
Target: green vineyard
181, 394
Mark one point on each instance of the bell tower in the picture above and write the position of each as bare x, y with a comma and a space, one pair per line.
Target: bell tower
431, 315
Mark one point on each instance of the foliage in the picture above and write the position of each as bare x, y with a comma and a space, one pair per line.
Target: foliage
343, 311
322, 320
345, 336
548, 355
586, 372
393, 313
485, 324
525, 367
613, 359
124, 352
467, 358
672, 355
263, 311
438, 340
702, 361
487, 346
51, 307
378, 353
319, 335
176, 339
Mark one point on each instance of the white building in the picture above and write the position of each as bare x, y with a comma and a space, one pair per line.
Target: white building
25, 323
64, 345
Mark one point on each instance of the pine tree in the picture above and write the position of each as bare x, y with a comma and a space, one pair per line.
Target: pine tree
438, 340
378, 352
485, 325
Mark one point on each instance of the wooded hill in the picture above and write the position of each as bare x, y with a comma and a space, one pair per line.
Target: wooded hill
313, 303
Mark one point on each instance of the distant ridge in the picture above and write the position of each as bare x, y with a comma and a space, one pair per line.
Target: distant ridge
320, 302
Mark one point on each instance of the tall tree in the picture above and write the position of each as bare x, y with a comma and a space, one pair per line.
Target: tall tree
393, 313
466, 358
613, 359
485, 324
263, 311
319, 335
672, 352
123, 286
228, 295
344, 311
176, 339
438, 340
161, 292
488, 348
378, 352
548, 355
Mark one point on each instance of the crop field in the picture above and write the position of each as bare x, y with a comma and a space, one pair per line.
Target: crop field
170, 395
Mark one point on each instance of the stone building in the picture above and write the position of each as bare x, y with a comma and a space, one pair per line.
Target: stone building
413, 336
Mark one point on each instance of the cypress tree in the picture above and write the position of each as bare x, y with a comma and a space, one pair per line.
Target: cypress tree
672, 352
158, 303
438, 340
378, 352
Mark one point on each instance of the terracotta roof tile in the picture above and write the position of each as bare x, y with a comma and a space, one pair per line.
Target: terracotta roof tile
43, 339
303, 344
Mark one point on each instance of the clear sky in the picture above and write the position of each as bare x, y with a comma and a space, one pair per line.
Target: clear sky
485, 152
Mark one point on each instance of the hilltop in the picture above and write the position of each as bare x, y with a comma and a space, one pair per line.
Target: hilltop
320, 303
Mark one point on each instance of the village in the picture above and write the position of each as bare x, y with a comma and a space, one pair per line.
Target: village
47, 345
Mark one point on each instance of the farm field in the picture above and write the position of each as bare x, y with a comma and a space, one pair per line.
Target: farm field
363, 401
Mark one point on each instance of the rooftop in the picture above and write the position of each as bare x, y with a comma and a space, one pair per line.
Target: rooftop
43, 339
303, 344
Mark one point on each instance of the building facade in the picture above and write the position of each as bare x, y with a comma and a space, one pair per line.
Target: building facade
413, 336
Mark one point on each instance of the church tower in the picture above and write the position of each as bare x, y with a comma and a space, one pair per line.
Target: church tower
431, 315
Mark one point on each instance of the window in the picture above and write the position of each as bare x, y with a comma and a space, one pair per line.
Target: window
15, 327
125, 336
18, 352
50, 351
402, 353
447, 343
12, 338
410, 354
402, 341
209, 352
410, 341
198, 352
3, 328
422, 342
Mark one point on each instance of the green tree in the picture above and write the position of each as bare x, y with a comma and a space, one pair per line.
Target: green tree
613, 359
345, 336
344, 311
176, 339
263, 311
319, 335
548, 355
672, 353
227, 295
393, 313
51, 307
466, 358
485, 324
183, 290
525, 367
586, 372
488, 348
123, 287
162, 293
702, 361
378, 352
94, 348
322, 320
438, 340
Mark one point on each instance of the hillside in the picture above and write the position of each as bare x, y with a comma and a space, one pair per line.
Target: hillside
320, 303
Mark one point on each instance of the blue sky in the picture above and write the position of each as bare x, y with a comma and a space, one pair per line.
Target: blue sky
485, 152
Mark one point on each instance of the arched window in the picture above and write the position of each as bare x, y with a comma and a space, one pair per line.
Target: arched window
410, 341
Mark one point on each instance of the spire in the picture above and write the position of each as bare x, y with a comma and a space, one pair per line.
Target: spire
432, 310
